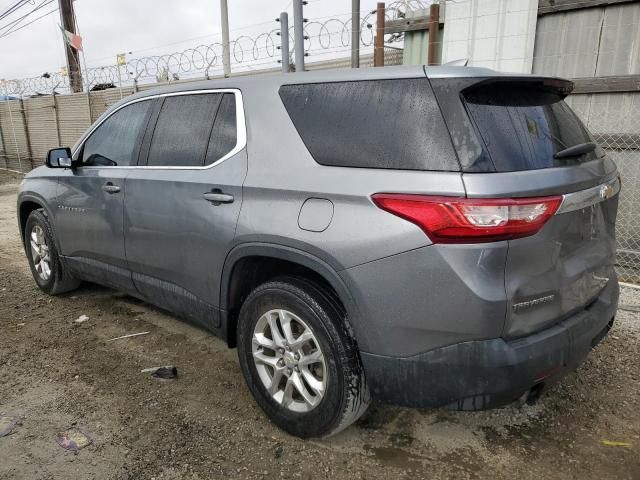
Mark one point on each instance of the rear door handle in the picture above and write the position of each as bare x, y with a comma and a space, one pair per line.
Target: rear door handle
218, 197
110, 188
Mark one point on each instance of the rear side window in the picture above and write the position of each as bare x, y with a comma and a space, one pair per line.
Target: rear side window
114, 142
393, 124
182, 131
224, 135
523, 127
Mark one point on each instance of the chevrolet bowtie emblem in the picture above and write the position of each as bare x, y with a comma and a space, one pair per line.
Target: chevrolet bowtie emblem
606, 191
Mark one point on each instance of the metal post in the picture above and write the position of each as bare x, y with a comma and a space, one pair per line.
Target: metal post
226, 54
25, 127
355, 33
378, 50
57, 117
284, 41
298, 34
434, 31
13, 127
119, 80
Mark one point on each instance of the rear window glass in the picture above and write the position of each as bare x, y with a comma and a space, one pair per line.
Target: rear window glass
394, 124
224, 134
182, 131
523, 127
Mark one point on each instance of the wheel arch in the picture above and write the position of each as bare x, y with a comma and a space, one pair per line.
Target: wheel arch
303, 263
28, 203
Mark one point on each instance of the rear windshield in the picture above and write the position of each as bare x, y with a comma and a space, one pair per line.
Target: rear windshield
523, 127
393, 124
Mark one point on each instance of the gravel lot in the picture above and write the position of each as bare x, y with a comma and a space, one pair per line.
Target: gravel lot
56, 374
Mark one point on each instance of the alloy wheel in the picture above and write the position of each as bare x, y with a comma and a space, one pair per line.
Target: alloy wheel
289, 360
40, 253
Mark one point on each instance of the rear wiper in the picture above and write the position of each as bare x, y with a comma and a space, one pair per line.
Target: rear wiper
575, 150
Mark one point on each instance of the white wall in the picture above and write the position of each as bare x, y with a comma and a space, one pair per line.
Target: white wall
497, 34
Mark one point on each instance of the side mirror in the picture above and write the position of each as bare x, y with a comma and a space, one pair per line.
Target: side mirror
59, 158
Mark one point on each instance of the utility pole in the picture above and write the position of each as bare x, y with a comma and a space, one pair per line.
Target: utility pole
378, 49
67, 17
355, 33
434, 32
298, 34
226, 54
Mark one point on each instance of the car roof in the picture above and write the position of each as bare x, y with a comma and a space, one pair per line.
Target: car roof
319, 76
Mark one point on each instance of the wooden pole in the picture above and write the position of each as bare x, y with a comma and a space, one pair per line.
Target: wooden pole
378, 50
434, 29
73, 56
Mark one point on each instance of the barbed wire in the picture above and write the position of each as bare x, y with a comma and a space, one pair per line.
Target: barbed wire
323, 34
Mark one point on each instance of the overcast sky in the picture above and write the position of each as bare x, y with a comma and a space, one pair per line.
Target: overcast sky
144, 27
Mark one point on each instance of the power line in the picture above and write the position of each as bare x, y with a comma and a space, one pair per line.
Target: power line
8, 27
29, 23
13, 8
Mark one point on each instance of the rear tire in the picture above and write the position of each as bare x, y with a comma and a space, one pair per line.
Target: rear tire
40, 246
326, 367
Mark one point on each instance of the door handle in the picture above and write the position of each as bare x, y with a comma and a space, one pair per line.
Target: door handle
218, 197
110, 188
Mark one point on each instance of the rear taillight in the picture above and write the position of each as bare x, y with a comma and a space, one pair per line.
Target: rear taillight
470, 220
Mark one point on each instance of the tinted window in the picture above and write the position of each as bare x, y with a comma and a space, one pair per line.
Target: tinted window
115, 141
182, 131
523, 127
224, 134
374, 124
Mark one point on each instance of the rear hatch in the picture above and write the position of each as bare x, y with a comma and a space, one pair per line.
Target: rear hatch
516, 137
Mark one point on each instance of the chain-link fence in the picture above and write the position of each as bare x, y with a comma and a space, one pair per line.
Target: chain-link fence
614, 119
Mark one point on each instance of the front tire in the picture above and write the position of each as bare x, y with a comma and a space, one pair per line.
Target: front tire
299, 358
40, 246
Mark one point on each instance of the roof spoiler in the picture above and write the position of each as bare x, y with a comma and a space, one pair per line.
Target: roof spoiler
558, 86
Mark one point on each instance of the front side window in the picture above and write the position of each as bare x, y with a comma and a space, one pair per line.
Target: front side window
115, 141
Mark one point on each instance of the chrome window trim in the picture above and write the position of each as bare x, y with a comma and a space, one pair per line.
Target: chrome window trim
241, 129
591, 196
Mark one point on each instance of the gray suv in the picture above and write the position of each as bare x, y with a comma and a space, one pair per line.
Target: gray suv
439, 236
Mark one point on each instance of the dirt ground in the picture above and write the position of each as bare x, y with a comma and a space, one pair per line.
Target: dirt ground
56, 374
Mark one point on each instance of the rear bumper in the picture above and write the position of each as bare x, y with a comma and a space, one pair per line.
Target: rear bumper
488, 373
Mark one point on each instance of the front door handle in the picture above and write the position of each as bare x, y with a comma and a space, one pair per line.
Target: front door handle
218, 197
110, 188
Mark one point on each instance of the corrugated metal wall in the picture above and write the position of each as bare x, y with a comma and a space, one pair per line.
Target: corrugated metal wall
416, 43
73, 116
15, 153
101, 101
40, 116
590, 42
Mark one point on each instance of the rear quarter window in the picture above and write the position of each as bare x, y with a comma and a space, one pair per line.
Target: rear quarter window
389, 124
